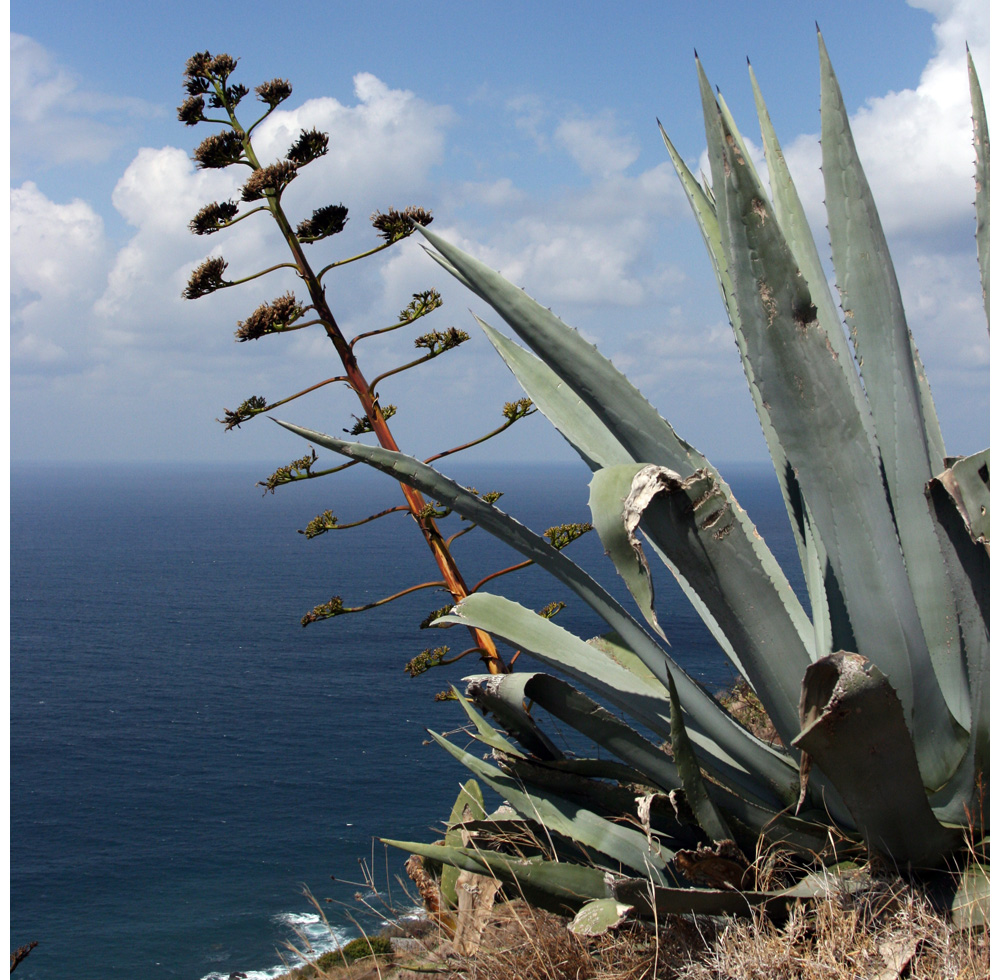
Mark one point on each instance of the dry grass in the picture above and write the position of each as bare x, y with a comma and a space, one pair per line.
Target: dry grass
885, 932
888, 930
532, 944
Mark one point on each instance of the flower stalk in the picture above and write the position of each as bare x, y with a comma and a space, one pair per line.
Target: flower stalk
207, 82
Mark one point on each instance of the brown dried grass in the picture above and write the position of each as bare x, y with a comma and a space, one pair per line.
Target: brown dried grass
887, 931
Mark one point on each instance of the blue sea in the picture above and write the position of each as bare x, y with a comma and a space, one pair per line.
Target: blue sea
186, 759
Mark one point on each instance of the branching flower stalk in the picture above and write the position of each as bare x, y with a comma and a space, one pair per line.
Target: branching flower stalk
207, 79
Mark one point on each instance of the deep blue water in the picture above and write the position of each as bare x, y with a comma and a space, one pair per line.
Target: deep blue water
185, 757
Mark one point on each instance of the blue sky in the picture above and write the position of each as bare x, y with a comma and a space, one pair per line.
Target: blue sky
530, 131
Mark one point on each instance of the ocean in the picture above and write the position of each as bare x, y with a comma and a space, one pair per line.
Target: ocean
186, 759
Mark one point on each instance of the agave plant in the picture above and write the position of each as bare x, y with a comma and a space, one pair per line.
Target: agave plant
879, 692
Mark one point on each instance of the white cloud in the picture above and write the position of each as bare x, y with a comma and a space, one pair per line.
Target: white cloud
616, 252
112, 326
583, 246
56, 121
596, 145
385, 146
916, 144
58, 257
382, 148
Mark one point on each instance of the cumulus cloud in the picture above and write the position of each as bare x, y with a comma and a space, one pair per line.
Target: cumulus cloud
54, 119
382, 147
611, 248
111, 323
58, 257
385, 146
596, 145
916, 144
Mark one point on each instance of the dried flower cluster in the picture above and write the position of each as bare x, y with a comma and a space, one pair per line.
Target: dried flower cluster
363, 425
435, 511
394, 225
207, 278
251, 407
326, 221
547, 612
421, 304
218, 151
230, 99
325, 610
310, 145
191, 110
274, 178
562, 534
270, 318
512, 411
213, 217
438, 341
274, 92
320, 525
423, 661
298, 469
428, 621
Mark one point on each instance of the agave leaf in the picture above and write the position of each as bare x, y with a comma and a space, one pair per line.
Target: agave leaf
584, 714
598, 769
644, 435
709, 818
616, 506
959, 503
470, 801
595, 443
752, 819
811, 554
598, 917
829, 615
869, 294
853, 727
610, 644
774, 774
567, 412
970, 905
488, 735
981, 139
655, 902
738, 589
719, 733
967, 482
690, 521
619, 803
619, 405
640, 430
569, 885
908, 431
703, 208
620, 844
791, 216
823, 435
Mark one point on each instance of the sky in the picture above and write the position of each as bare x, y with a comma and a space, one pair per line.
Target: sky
529, 130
